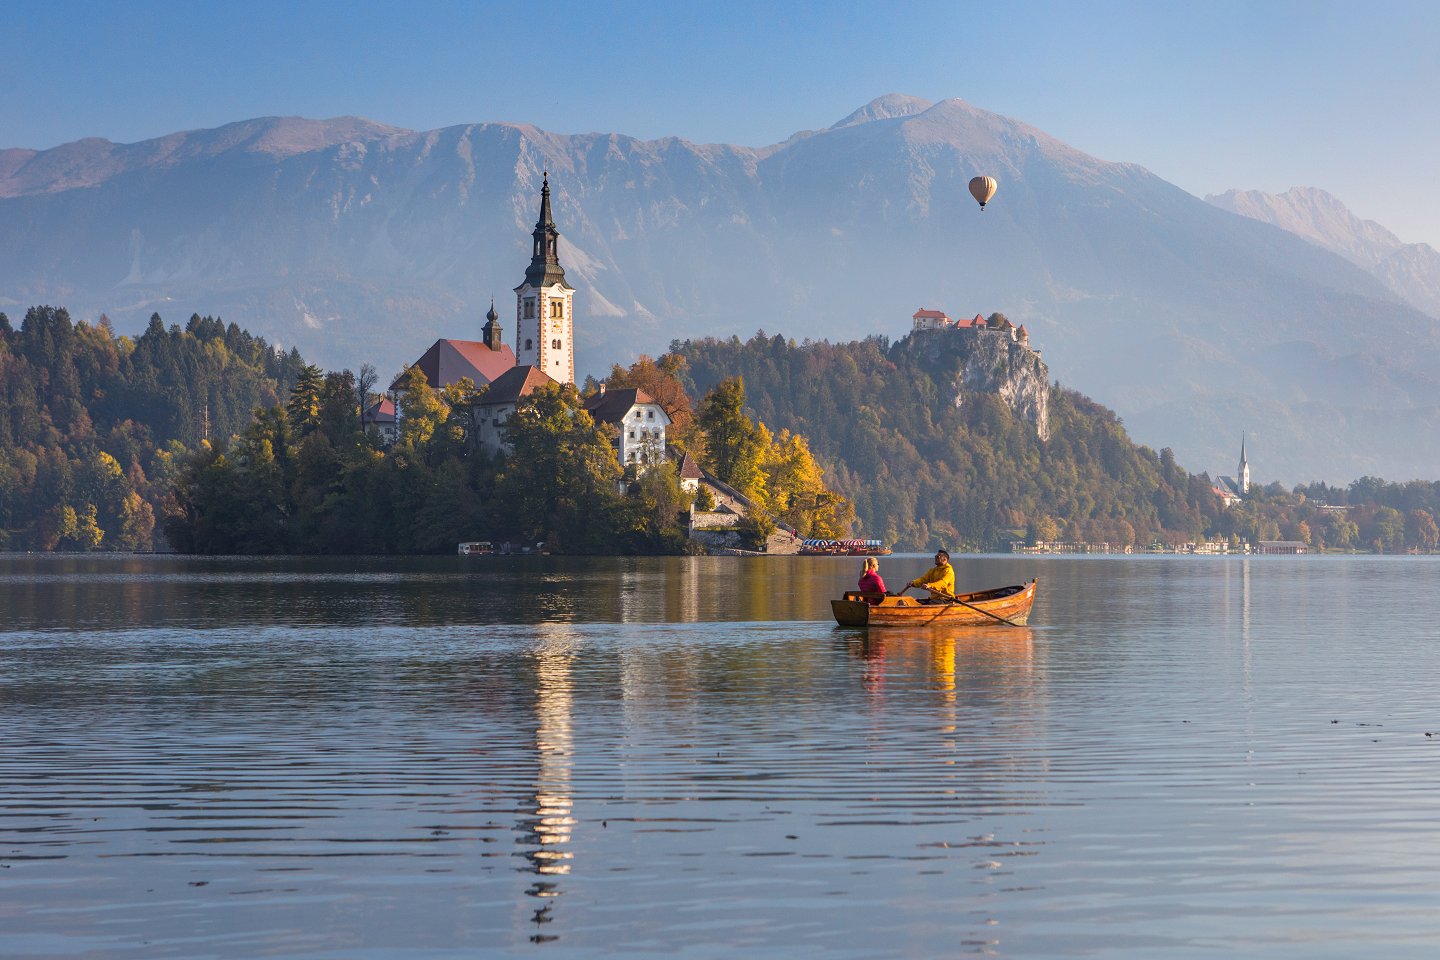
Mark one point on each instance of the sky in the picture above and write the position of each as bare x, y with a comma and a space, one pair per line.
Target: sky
1210, 96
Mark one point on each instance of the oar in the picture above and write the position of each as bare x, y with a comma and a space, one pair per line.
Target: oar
954, 599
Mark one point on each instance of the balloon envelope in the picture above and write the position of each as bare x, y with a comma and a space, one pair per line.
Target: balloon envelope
982, 189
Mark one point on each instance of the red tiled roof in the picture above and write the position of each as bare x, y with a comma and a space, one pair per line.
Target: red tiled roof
382, 412
447, 361
513, 384
929, 314
689, 469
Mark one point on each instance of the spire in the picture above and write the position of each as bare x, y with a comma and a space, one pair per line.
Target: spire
545, 219
491, 333
1243, 473
545, 269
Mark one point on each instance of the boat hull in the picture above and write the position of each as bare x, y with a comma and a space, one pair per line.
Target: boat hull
984, 607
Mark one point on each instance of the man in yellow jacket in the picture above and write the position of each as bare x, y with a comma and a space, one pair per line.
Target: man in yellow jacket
939, 579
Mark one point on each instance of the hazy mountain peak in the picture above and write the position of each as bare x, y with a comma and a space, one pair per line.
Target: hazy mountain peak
886, 108
1318, 217
1410, 270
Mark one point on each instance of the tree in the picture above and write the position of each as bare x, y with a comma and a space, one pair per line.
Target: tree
422, 410
1421, 529
733, 444
365, 382
560, 481
304, 404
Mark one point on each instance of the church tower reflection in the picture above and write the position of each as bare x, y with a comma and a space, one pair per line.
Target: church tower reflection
545, 830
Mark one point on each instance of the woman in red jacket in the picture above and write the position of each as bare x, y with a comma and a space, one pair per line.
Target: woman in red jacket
870, 581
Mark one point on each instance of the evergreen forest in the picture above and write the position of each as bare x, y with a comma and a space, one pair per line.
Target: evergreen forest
95, 428
923, 472
207, 439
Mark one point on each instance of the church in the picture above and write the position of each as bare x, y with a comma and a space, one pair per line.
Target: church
544, 353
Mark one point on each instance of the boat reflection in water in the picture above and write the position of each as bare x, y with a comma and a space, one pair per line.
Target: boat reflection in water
985, 661
544, 834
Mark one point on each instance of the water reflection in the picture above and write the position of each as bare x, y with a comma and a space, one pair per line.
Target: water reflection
236, 758
545, 834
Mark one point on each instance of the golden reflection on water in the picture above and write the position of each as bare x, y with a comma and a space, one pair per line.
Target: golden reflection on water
546, 832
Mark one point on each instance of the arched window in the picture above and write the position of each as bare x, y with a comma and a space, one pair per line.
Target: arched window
529, 344
554, 344
557, 309
529, 309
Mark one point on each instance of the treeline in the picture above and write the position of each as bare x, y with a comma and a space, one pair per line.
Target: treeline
923, 472
94, 427
1369, 514
305, 477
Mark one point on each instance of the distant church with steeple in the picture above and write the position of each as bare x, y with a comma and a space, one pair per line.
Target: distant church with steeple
1234, 489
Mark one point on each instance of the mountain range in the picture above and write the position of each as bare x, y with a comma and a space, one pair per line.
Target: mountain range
1410, 270
359, 242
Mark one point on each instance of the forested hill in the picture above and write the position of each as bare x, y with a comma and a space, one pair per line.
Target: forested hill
93, 427
923, 471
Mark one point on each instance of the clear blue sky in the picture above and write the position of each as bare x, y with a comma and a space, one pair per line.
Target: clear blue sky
1344, 96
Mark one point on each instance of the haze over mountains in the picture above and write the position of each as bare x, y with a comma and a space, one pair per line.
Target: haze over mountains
1410, 270
359, 242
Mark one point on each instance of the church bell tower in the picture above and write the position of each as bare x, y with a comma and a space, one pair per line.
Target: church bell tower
544, 304
1242, 473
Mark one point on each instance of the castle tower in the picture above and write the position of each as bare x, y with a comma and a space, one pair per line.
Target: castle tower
1242, 473
544, 304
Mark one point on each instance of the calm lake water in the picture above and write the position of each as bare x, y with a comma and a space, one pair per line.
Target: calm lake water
552, 757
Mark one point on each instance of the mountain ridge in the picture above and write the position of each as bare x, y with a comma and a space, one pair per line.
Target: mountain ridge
1410, 270
359, 242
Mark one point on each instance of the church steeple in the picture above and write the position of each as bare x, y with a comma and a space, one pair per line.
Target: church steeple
1243, 472
491, 334
545, 269
545, 304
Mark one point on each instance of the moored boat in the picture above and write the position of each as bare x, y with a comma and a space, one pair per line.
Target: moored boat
1003, 604
843, 548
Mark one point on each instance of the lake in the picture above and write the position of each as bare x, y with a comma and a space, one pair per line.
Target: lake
563, 757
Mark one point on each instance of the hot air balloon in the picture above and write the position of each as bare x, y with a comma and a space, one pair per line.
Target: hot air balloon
982, 189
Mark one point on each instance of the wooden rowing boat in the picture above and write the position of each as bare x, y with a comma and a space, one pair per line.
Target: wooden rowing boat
1010, 604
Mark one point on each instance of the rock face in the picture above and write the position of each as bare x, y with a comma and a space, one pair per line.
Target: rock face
985, 360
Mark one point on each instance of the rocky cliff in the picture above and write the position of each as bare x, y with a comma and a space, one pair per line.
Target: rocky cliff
982, 360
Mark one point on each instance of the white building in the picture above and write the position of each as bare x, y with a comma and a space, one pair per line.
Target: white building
545, 303
641, 421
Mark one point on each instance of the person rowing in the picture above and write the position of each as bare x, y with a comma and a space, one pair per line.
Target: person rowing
939, 580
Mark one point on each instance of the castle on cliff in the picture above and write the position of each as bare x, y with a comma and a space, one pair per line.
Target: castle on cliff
997, 324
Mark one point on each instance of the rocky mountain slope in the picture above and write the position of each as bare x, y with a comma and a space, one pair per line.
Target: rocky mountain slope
1410, 270
359, 242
